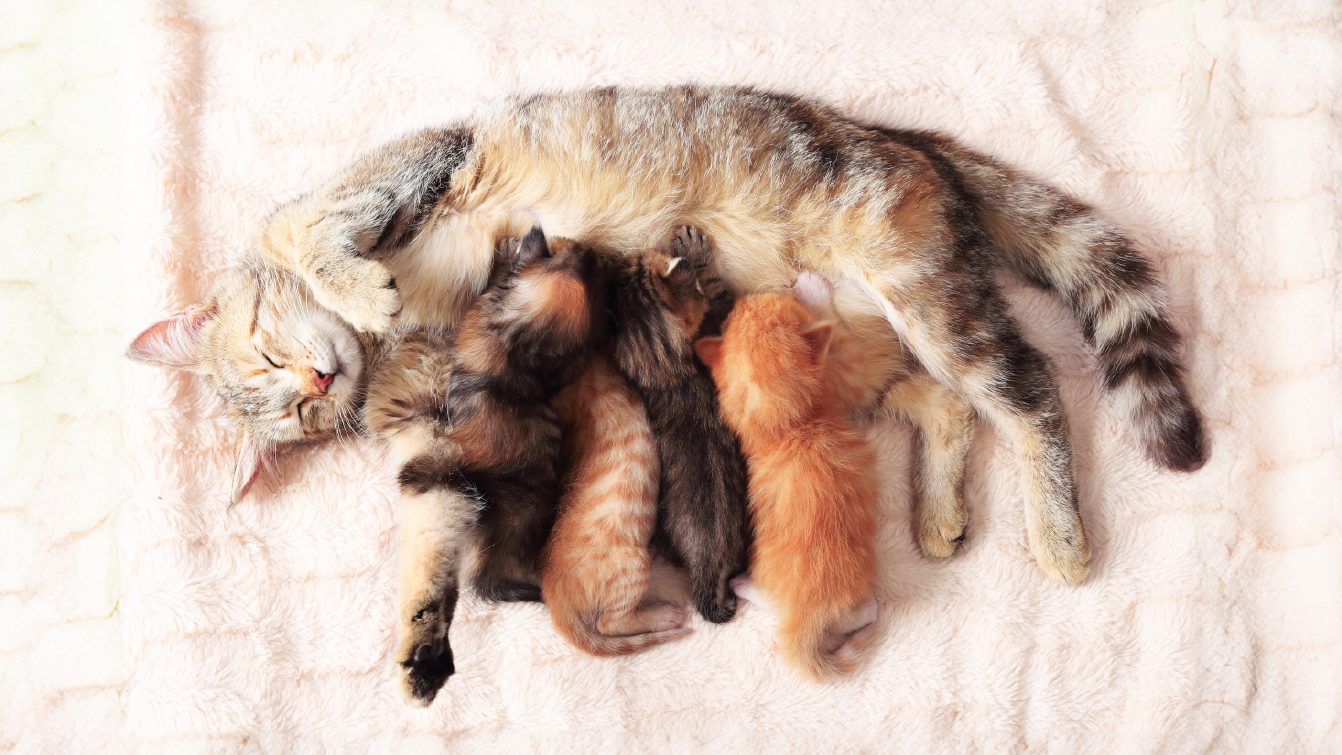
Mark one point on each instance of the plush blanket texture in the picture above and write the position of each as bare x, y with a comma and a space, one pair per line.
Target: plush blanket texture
1211, 619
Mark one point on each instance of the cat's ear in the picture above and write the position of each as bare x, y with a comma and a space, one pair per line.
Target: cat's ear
709, 350
251, 456
173, 342
818, 338
679, 273
531, 248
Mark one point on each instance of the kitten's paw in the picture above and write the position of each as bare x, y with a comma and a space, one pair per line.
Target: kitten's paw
690, 243
425, 672
940, 532
363, 293
812, 290
715, 610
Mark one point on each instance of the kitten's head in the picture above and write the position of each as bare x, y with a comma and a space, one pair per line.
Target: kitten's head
555, 290
768, 363
289, 370
659, 308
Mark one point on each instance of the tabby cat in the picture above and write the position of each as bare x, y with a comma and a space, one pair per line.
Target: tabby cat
812, 498
470, 430
911, 228
597, 564
660, 307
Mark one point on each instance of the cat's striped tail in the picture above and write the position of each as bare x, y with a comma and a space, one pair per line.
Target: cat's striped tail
1061, 244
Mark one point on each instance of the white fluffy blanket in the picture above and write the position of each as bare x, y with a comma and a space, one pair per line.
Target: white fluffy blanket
1211, 619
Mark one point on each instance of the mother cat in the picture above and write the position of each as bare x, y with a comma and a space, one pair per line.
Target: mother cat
909, 226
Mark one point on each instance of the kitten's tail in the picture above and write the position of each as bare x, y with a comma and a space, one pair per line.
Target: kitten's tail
580, 628
1061, 244
823, 644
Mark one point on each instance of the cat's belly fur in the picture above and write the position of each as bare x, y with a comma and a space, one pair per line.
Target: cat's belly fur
443, 270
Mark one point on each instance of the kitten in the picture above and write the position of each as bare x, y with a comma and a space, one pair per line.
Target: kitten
292, 372
597, 564
911, 227
522, 342
812, 500
659, 307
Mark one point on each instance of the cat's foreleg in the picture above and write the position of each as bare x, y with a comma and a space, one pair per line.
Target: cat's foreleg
435, 525
373, 209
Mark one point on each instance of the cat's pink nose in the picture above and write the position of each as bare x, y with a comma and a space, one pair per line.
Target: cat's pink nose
322, 380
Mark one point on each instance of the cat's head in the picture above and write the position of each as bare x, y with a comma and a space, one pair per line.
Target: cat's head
769, 362
289, 370
659, 308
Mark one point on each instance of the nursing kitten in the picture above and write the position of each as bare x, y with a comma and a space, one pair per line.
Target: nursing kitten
596, 565
659, 307
521, 343
812, 499
911, 227
292, 372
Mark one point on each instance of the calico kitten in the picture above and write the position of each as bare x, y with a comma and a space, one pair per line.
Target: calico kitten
522, 342
292, 372
659, 307
597, 564
912, 228
812, 500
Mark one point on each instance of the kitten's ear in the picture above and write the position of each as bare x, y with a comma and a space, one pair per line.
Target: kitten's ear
819, 338
173, 342
531, 248
679, 273
251, 456
709, 350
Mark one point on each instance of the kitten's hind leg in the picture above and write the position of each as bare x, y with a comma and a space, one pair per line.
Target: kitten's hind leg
517, 519
434, 525
945, 430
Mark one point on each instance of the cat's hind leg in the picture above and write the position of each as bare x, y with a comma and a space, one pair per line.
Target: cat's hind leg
970, 344
945, 431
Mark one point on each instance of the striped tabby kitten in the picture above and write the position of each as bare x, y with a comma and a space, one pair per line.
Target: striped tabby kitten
471, 434
597, 564
812, 499
911, 228
659, 308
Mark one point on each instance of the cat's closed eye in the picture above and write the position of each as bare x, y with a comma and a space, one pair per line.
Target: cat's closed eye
273, 363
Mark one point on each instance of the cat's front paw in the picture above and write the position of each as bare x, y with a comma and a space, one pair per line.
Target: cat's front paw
362, 292
425, 672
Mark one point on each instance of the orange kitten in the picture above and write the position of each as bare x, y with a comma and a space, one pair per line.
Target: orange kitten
596, 564
811, 499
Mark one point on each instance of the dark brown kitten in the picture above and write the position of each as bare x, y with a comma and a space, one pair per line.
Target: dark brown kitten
659, 309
